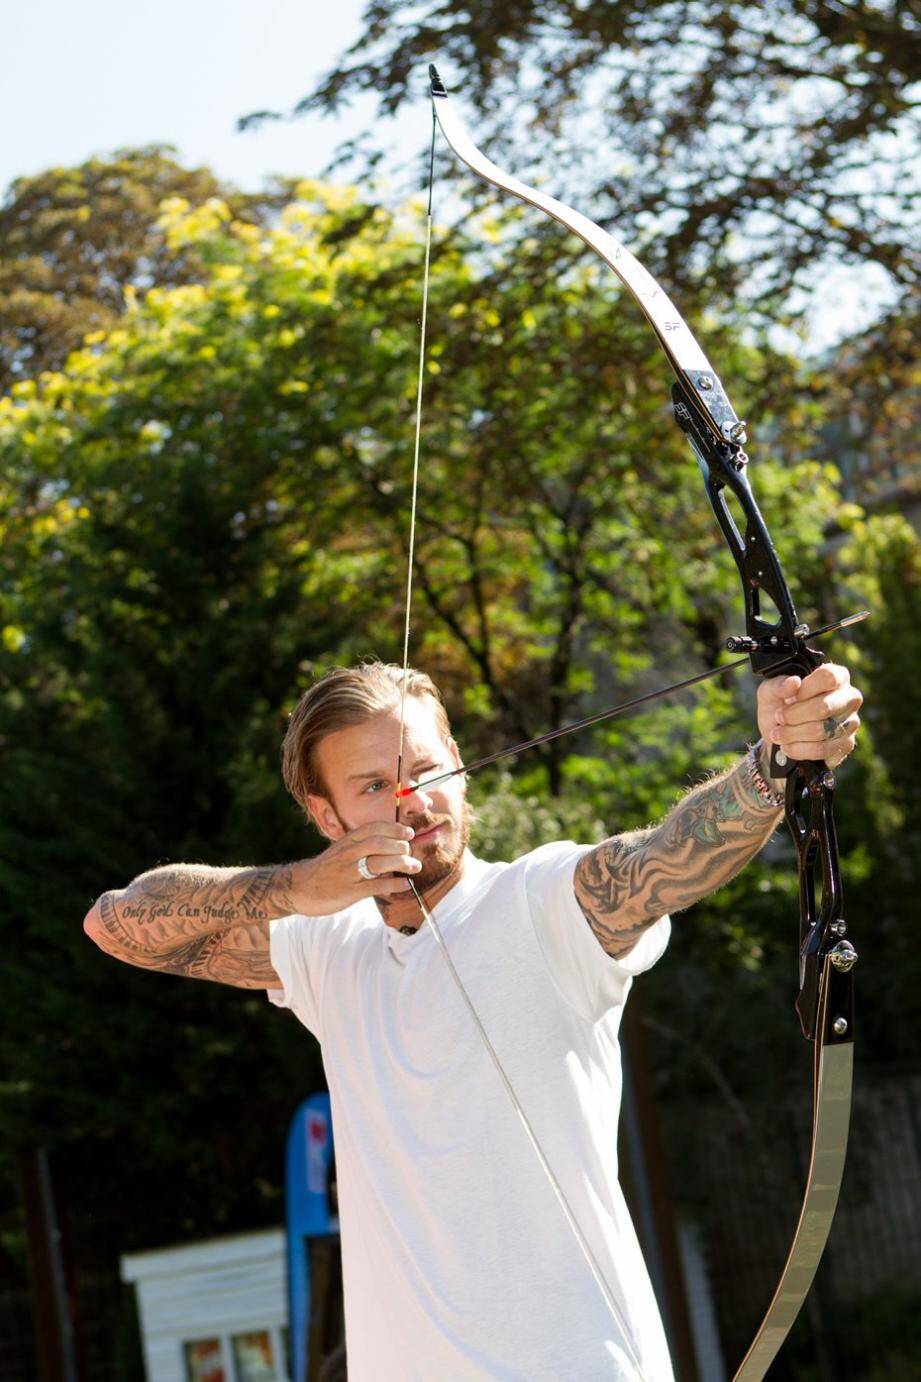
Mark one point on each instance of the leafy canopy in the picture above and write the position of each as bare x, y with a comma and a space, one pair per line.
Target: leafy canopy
745, 144
77, 243
209, 504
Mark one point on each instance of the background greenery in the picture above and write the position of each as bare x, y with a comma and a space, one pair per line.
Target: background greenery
205, 447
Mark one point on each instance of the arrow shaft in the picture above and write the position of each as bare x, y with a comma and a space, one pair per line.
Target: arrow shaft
611, 712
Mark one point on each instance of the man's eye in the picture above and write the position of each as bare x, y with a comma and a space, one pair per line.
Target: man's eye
375, 787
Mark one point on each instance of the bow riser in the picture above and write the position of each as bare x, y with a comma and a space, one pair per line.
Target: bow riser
778, 649
772, 646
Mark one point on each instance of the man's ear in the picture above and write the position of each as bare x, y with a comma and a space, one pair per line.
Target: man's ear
324, 817
454, 751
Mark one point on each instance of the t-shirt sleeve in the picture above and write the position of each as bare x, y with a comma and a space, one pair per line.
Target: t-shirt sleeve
289, 954
592, 981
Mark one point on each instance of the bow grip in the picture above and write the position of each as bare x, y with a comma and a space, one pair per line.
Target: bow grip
803, 661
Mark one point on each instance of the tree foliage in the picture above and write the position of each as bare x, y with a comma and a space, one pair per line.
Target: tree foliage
76, 243
870, 390
210, 503
882, 563
745, 144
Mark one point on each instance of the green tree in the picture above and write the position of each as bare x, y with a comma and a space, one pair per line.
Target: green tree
869, 391
75, 243
209, 504
882, 562
743, 143
212, 501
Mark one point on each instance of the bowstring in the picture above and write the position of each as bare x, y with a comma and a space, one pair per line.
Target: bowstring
416, 452
574, 1225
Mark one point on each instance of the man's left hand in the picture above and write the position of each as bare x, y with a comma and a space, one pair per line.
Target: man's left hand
811, 718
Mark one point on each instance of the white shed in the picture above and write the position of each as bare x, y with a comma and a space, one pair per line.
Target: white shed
214, 1311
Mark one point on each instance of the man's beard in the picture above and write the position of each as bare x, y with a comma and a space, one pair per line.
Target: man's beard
441, 856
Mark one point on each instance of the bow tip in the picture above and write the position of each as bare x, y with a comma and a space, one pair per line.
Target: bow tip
436, 85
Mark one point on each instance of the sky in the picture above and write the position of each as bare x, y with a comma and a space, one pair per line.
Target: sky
81, 79
84, 79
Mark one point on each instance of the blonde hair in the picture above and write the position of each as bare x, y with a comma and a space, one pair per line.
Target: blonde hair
344, 697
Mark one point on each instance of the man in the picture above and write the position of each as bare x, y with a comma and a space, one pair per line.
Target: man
457, 1262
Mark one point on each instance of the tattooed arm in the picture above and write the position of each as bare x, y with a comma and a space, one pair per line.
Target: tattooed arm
212, 923
205, 923
628, 882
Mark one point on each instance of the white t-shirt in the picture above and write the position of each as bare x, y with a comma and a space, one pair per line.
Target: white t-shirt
457, 1261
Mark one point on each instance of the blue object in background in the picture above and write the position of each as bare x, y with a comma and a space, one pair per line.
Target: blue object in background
308, 1213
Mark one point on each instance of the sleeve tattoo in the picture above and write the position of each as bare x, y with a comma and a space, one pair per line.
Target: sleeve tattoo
629, 881
202, 923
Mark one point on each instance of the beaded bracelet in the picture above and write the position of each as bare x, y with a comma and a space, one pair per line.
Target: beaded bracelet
758, 781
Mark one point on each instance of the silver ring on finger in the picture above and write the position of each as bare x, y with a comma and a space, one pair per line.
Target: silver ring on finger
835, 728
363, 870
846, 729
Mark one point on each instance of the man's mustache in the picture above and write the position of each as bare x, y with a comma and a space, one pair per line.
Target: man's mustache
421, 823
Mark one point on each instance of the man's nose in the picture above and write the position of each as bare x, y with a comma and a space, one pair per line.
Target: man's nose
416, 799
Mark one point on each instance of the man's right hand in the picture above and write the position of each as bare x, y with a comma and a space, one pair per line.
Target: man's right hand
332, 880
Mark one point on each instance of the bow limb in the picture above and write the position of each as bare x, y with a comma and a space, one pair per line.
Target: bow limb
702, 407
774, 645
685, 355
